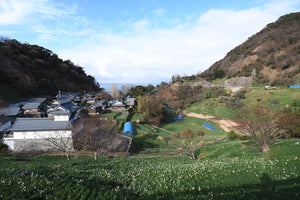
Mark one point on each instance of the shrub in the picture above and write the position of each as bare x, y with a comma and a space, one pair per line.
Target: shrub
245, 137
232, 135
187, 133
177, 135
273, 101
258, 99
201, 133
3, 147
235, 103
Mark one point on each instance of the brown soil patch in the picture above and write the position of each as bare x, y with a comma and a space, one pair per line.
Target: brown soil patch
226, 124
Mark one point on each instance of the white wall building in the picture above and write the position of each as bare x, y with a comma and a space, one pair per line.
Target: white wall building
40, 134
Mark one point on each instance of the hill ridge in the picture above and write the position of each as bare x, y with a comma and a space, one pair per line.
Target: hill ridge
274, 52
31, 70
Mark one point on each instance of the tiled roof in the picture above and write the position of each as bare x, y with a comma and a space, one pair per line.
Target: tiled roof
4, 119
29, 106
59, 112
70, 106
131, 99
17, 104
36, 124
62, 101
36, 100
11, 111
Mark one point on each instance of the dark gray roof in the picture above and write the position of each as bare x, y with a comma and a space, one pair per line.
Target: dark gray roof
59, 112
71, 107
29, 106
130, 99
65, 100
36, 124
11, 111
36, 100
17, 104
4, 119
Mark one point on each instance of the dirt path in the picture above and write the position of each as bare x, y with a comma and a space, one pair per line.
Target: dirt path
226, 124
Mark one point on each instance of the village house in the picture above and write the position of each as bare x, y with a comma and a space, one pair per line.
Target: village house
31, 108
40, 134
95, 109
103, 103
130, 102
68, 108
59, 101
118, 104
98, 96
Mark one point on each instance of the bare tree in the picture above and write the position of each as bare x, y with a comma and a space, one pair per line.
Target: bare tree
92, 140
262, 124
115, 91
189, 148
93, 134
125, 89
63, 144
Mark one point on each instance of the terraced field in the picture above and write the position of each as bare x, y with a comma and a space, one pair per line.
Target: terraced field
227, 170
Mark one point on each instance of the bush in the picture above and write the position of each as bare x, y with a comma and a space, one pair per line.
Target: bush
201, 133
258, 99
232, 135
3, 147
235, 103
187, 133
177, 135
274, 101
245, 137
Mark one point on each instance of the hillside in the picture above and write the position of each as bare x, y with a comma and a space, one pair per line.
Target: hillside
30, 70
274, 53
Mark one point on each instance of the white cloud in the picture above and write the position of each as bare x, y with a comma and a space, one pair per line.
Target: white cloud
146, 53
13, 11
19, 12
141, 26
159, 12
161, 53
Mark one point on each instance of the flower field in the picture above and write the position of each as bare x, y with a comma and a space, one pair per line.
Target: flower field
229, 170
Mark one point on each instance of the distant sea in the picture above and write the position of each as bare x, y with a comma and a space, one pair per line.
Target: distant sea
107, 86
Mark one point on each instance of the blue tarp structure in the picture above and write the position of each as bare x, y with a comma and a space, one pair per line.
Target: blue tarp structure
178, 118
294, 86
128, 130
211, 127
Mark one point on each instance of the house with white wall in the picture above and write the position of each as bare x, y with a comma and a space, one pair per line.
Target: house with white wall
40, 134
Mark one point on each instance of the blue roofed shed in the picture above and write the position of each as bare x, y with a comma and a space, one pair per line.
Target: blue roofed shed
128, 130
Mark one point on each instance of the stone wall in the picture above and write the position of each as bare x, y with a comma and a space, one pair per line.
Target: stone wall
29, 145
238, 82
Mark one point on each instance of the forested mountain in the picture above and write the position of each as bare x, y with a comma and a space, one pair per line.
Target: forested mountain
30, 70
274, 53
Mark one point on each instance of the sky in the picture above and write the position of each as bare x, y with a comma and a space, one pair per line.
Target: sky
139, 41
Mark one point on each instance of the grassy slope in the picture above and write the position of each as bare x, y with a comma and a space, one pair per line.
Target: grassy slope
229, 170
212, 107
282, 97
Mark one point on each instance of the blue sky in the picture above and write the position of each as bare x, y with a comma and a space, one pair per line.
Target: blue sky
138, 41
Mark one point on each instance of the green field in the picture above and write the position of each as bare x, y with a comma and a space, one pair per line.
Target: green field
217, 109
276, 99
227, 170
